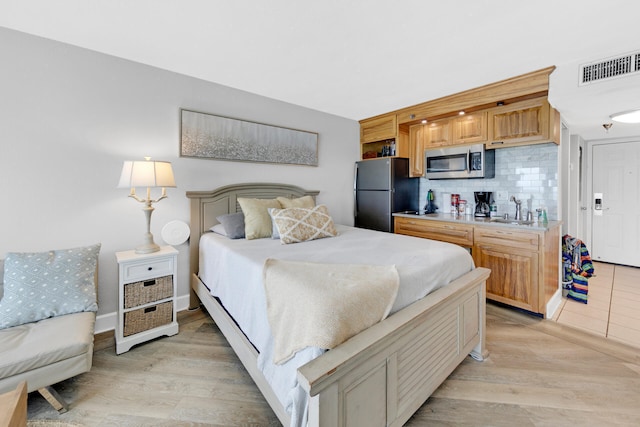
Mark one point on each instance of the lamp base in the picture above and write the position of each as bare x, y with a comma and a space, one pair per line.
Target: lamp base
149, 246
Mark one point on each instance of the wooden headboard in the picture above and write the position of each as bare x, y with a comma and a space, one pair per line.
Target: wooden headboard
207, 205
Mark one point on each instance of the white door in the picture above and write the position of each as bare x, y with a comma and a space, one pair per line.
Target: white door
616, 203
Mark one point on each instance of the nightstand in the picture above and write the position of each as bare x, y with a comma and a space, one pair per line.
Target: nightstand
146, 296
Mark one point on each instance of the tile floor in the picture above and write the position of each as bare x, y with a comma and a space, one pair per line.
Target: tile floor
613, 308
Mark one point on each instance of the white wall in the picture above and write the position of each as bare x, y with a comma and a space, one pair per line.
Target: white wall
70, 116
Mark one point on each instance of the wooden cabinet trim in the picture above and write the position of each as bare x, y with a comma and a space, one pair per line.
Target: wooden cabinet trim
507, 237
534, 84
446, 232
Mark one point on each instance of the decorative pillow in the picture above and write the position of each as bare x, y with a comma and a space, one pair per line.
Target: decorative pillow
219, 229
47, 284
257, 222
301, 224
275, 234
300, 202
233, 225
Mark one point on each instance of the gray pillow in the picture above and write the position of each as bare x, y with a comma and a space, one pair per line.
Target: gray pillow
275, 233
46, 284
233, 225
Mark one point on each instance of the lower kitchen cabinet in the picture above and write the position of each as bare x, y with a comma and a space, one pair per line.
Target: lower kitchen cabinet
514, 274
524, 263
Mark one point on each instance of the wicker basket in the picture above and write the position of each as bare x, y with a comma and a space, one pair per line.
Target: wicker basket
147, 291
146, 318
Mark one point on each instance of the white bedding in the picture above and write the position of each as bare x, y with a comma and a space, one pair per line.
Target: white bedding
232, 270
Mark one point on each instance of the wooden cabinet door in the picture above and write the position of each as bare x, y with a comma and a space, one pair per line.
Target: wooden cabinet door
514, 275
520, 122
470, 128
416, 150
438, 133
378, 128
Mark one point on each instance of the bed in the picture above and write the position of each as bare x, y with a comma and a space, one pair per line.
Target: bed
380, 376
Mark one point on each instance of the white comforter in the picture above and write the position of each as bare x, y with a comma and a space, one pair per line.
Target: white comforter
232, 270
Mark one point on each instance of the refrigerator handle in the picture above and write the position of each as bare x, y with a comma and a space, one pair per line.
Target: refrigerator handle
355, 192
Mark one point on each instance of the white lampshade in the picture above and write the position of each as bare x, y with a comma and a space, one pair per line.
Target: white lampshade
146, 173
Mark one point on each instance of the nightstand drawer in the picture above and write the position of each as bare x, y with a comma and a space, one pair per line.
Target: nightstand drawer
146, 291
148, 269
146, 318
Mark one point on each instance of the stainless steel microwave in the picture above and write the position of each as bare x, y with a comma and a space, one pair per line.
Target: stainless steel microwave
465, 161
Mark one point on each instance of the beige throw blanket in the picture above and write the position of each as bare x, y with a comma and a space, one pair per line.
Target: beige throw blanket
323, 305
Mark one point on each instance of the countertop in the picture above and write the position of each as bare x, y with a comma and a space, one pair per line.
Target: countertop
472, 220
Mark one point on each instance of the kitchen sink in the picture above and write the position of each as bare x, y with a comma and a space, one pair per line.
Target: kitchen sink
511, 221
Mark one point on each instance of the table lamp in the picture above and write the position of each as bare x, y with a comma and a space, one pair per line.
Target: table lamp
150, 174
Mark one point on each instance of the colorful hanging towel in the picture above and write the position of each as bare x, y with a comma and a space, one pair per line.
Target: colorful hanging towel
577, 268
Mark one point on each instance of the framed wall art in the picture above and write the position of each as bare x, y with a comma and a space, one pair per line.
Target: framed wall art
215, 137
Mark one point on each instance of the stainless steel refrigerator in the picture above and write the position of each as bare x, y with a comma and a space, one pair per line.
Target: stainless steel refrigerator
381, 187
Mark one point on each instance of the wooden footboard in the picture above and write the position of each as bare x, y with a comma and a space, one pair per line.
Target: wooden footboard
384, 374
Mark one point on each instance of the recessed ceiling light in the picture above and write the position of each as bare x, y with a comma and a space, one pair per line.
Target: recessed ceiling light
631, 116
461, 113
424, 121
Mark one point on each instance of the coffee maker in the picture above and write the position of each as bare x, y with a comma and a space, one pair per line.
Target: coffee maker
483, 203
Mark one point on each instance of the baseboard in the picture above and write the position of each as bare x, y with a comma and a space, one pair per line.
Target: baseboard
108, 321
553, 304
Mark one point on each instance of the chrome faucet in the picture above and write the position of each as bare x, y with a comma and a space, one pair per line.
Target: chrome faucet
518, 204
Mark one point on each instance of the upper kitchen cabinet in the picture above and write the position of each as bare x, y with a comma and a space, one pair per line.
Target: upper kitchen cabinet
380, 134
459, 130
417, 135
438, 134
527, 122
510, 112
470, 128
378, 128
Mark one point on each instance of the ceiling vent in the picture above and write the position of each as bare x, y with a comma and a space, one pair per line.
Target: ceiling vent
610, 68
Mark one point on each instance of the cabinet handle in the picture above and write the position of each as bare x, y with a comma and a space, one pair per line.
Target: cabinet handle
149, 268
149, 283
150, 309
497, 142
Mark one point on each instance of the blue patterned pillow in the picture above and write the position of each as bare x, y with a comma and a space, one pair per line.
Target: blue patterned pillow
47, 284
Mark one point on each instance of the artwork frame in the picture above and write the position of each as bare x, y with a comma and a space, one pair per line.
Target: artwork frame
209, 136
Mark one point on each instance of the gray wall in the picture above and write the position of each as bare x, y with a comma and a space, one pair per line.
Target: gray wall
70, 117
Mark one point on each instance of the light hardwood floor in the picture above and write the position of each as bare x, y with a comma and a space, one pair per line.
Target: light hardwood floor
539, 373
613, 307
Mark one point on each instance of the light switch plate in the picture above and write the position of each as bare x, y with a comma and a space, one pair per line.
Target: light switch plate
503, 195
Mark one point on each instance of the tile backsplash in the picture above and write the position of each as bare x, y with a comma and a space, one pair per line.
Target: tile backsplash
530, 173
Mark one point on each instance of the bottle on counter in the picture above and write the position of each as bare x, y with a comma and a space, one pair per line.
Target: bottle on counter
455, 199
493, 210
462, 206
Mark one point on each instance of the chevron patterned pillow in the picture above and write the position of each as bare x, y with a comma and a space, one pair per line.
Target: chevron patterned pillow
297, 225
